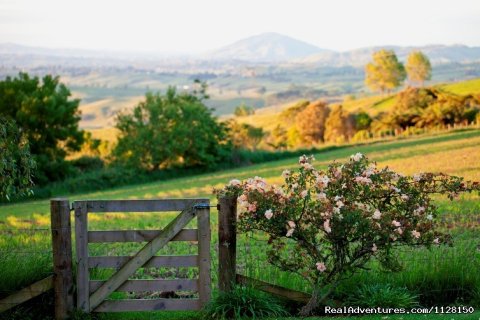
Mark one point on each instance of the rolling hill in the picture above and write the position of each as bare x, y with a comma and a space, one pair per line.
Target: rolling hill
438, 54
265, 47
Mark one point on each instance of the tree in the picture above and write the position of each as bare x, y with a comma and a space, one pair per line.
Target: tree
385, 72
289, 115
244, 110
339, 125
245, 136
418, 67
428, 107
362, 121
278, 138
171, 129
311, 122
48, 117
16, 163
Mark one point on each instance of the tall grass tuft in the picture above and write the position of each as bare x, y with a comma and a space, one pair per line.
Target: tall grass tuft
382, 295
244, 301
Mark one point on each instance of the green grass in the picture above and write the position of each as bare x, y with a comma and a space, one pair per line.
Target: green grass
463, 87
454, 153
194, 316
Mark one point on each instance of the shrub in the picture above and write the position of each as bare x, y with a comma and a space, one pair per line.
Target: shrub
86, 163
244, 301
383, 295
326, 225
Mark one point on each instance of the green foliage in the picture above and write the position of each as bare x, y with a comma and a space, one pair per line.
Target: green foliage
277, 139
117, 176
243, 110
362, 121
326, 225
244, 136
87, 164
385, 72
382, 295
16, 163
49, 119
244, 301
170, 130
429, 107
418, 67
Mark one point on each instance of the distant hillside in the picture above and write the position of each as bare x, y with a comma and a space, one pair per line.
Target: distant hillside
359, 57
266, 47
269, 118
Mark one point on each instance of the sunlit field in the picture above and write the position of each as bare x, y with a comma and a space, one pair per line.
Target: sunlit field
441, 274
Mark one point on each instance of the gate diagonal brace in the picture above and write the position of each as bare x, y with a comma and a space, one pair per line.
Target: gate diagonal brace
142, 256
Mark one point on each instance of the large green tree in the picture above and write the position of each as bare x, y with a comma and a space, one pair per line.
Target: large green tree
385, 72
48, 117
418, 67
16, 163
168, 130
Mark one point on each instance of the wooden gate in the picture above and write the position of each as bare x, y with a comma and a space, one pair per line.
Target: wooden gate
93, 295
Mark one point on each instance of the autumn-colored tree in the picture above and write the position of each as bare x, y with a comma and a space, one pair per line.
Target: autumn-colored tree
418, 67
385, 72
311, 122
277, 138
339, 126
288, 115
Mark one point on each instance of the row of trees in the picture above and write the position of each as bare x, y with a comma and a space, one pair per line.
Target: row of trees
386, 72
39, 127
305, 124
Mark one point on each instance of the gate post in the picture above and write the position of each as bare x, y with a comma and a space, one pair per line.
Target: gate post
62, 257
227, 242
204, 236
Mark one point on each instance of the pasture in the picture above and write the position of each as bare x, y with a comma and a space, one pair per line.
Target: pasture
442, 275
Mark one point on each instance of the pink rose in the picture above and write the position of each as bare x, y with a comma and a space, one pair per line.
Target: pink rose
321, 266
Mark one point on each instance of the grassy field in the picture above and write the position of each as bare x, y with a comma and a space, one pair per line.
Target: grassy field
456, 153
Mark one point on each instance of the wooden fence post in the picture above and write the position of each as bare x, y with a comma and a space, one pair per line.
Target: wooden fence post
227, 242
62, 257
204, 277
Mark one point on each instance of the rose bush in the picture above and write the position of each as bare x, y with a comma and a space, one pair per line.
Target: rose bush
325, 225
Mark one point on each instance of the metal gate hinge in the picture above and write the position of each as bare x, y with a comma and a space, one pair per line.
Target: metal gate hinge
202, 206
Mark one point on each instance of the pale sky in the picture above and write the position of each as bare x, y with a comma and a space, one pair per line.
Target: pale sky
195, 26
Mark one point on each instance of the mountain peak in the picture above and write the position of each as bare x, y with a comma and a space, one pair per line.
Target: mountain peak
270, 46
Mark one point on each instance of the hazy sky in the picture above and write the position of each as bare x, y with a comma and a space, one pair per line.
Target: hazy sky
201, 25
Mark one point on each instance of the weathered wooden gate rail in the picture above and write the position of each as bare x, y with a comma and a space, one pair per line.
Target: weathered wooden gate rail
227, 255
92, 294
